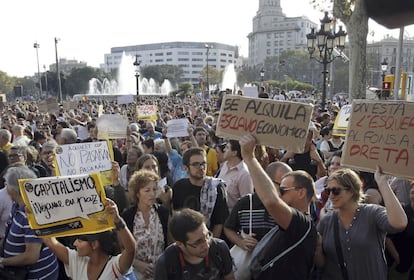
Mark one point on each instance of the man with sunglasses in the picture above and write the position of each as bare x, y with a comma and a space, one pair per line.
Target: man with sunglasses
196, 254
290, 209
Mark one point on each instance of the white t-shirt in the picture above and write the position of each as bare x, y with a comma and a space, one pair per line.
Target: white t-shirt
77, 269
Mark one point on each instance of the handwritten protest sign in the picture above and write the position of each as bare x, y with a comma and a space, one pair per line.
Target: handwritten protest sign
85, 158
341, 121
177, 128
381, 133
112, 126
125, 99
147, 112
278, 124
67, 205
250, 91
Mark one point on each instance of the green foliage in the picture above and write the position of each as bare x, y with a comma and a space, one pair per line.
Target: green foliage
6, 83
163, 72
183, 90
214, 75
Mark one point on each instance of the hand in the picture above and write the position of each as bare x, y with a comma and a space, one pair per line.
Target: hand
249, 242
115, 172
144, 268
380, 177
248, 144
112, 209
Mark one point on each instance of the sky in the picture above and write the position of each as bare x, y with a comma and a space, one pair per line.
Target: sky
88, 29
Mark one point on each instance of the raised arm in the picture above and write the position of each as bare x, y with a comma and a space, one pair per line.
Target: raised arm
57, 248
265, 189
395, 213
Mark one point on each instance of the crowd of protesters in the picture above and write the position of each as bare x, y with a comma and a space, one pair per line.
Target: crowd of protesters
213, 177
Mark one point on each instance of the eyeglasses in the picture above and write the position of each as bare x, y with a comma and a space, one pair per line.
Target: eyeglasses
14, 156
333, 190
276, 182
198, 164
47, 153
284, 190
207, 238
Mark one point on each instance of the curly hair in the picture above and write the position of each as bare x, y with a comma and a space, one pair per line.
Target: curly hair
139, 180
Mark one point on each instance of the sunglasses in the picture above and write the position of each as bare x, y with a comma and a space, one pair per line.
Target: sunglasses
284, 190
333, 190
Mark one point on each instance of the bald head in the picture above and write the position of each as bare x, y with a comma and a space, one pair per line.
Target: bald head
276, 170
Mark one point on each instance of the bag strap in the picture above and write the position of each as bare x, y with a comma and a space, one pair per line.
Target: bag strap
338, 248
251, 214
275, 259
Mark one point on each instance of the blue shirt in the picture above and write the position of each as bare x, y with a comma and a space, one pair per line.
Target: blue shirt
20, 233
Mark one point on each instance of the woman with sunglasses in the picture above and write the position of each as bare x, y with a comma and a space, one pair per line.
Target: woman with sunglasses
361, 228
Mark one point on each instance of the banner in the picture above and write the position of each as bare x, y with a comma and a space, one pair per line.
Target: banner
147, 112
381, 133
85, 158
66, 205
279, 124
112, 126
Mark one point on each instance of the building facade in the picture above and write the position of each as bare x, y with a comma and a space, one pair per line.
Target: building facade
66, 65
190, 56
274, 33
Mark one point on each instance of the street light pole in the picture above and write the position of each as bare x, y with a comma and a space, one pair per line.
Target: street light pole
384, 68
58, 72
324, 40
37, 46
208, 47
137, 73
262, 73
46, 89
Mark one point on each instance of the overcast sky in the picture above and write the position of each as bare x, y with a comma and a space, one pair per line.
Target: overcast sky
89, 28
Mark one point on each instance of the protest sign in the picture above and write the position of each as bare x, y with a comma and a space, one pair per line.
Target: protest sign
112, 126
66, 205
177, 128
250, 91
125, 99
279, 124
341, 121
85, 158
381, 133
147, 112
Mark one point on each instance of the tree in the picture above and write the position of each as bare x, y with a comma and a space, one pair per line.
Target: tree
163, 72
6, 83
78, 79
214, 75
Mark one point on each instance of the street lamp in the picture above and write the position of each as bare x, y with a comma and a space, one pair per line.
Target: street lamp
324, 40
137, 73
262, 72
208, 47
46, 89
37, 46
58, 72
384, 68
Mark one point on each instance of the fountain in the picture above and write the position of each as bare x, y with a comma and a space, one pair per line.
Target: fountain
126, 82
229, 78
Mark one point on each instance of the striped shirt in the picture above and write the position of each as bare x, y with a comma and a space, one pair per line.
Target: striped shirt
19, 234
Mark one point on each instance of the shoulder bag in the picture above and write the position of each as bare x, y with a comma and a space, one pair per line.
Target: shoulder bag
338, 248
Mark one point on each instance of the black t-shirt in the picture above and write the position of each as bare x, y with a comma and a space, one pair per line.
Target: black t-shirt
187, 195
298, 263
219, 264
304, 162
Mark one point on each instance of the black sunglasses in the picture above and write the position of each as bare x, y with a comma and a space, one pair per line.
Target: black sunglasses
333, 190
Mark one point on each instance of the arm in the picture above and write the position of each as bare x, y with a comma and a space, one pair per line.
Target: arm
119, 193
58, 249
28, 257
319, 255
321, 171
125, 238
280, 211
395, 213
217, 230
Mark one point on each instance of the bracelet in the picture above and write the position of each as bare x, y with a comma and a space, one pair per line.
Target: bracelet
120, 225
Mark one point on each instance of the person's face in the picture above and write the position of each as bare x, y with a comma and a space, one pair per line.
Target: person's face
15, 157
220, 155
58, 129
184, 147
150, 165
197, 167
339, 195
288, 190
201, 137
228, 152
198, 242
132, 157
47, 155
83, 247
146, 196
335, 164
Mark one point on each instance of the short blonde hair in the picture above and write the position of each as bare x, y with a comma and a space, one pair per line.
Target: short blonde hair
139, 180
350, 180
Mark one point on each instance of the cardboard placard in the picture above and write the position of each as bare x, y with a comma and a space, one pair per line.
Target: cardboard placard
341, 121
381, 133
85, 158
112, 126
147, 112
177, 128
66, 205
279, 124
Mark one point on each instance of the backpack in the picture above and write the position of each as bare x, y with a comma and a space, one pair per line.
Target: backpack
263, 254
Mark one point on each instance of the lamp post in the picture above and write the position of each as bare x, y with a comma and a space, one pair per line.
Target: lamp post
208, 47
58, 72
324, 40
37, 46
46, 89
384, 68
262, 72
137, 73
